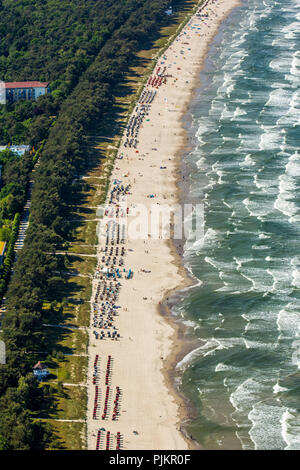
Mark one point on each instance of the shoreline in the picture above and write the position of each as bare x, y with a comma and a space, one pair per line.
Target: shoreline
181, 345
152, 342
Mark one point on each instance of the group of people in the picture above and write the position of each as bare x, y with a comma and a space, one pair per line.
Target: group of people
143, 107
107, 289
147, 96
104, 315
107, 382
108, 373
119, 441
135, 123
200, 13
108, 370
108, 440
115, 413
96, 402
98, 439
158, 78
95, 373
108, 268
156, 82
105, 409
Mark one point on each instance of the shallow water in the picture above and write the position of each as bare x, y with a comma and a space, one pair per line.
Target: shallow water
245, 168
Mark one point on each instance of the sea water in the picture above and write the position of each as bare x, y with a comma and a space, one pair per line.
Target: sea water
245, 168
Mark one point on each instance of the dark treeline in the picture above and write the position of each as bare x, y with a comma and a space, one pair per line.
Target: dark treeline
14, 184
37, 272
5, 271
15, 172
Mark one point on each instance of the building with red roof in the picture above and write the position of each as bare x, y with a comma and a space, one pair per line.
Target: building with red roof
40, 370
25, 90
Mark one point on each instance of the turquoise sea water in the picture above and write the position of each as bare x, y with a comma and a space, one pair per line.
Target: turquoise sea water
245, 167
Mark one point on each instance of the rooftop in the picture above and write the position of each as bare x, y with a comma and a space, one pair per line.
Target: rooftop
40, 366
9, 85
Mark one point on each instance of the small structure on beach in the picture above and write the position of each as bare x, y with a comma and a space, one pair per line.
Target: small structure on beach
169, 11
40, 371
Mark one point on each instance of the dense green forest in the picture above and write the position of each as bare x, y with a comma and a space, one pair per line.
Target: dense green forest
52, 41
14, 183
83, 48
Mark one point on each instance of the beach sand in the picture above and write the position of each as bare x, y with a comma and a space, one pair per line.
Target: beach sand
150, 412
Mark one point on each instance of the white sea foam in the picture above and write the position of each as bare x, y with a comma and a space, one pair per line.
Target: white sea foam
296, 278
290, 422
211, 237
290, 31
209, 260
271, 139
266, 185
261, 280
203, 128
190, 324
248, 161
248, 142
278, 389
288, 320
273, 427
244, 395
275, 279
226, 204
281, 63
295, 67
279, 98
216, 168
266, 426
263, 236
292, 117
221, 367
293, 166
202, 350
227, 86
201, 163
217, 107
235, 60
287, 188
238, 112
286, 207
257, 209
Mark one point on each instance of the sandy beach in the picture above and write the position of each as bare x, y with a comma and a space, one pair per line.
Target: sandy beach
148, 413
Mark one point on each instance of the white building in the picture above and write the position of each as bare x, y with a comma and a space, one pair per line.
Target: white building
19, 149
25, 90
40, 371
